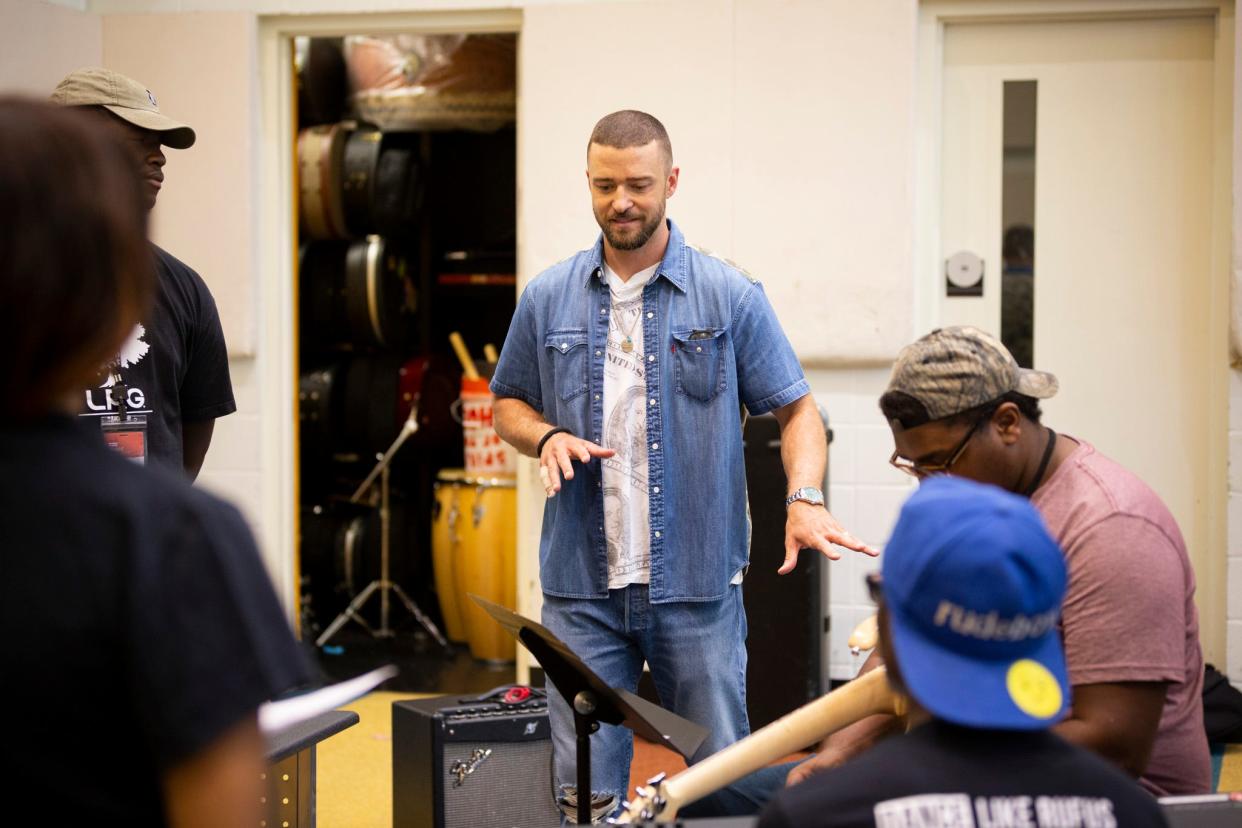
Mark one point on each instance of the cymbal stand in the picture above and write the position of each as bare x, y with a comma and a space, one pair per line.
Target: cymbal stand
383, 585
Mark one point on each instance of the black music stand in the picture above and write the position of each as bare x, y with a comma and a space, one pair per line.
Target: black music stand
593, 701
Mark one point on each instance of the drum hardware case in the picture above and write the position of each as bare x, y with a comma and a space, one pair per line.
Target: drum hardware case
383, 584
787, 614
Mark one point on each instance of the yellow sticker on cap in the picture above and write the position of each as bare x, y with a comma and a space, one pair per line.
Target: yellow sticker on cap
1033, 689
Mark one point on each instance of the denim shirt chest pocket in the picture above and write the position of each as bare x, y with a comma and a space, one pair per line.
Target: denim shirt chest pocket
567, 351
699, 362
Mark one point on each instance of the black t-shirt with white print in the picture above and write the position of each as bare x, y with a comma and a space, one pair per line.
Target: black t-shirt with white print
174, 366
943, 776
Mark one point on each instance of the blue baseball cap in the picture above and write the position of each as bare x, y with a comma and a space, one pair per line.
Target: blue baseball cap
973, 584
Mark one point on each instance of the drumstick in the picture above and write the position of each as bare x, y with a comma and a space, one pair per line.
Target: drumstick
489, 353
463, 356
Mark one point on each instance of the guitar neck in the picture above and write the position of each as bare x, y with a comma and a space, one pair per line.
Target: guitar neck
865, 696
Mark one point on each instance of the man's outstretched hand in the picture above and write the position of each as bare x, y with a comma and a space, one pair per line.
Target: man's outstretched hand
812, 527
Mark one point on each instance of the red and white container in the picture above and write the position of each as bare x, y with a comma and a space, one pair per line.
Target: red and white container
486, 453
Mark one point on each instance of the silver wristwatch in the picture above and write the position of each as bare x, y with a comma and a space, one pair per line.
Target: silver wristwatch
807, 494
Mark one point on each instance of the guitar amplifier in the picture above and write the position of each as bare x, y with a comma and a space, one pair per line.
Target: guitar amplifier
477, 762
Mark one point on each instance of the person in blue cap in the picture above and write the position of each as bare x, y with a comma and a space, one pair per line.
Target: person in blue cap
970, 595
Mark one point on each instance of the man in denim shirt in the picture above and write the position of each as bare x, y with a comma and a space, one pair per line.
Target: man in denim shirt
624, 373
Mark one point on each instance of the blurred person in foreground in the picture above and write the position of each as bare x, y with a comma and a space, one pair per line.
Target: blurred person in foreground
142, 632
969, 601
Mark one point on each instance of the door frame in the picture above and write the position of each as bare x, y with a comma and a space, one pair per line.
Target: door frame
934, 16
277, 366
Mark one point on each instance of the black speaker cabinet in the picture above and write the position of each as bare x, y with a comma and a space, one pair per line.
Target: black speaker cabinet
483, 762
786, 614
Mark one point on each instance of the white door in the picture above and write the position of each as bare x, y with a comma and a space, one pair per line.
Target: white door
1115, 175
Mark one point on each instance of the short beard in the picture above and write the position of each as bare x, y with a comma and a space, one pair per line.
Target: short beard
640, 238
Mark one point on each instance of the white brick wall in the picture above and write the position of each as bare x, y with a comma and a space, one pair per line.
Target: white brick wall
1233, 594
865, 494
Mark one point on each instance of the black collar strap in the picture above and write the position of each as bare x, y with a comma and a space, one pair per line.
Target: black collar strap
1043, 464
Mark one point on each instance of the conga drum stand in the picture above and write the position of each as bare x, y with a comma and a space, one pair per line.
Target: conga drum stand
383, 585
593, 701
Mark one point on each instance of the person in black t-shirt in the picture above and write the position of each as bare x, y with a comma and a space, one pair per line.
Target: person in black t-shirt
141, 630
160, 398
969, 603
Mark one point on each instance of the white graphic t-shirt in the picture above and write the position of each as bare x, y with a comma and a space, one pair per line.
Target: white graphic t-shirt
626, 508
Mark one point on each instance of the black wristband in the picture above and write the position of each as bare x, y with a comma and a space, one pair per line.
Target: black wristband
543, 440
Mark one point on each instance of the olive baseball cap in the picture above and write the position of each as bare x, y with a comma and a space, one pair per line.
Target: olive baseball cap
125, 98
952, 370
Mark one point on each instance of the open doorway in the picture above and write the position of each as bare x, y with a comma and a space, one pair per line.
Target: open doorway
405, 205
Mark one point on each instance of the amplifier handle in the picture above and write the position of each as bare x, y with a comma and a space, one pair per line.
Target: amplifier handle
502, 692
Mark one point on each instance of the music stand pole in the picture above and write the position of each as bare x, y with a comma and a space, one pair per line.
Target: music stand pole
384, 585
584, 725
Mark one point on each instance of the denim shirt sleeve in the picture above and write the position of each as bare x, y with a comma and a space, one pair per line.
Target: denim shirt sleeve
768, 372
517, 372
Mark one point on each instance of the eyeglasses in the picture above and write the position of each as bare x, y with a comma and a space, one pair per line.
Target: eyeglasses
875, 587
927, 469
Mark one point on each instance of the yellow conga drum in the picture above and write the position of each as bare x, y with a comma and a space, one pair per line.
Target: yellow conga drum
487, 566
446, 548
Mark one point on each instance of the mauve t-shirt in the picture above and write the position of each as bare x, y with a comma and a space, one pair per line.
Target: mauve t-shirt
1129, 612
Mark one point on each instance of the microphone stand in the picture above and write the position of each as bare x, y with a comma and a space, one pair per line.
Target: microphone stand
382, 584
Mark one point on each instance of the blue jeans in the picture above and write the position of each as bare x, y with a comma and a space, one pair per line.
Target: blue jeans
697, 654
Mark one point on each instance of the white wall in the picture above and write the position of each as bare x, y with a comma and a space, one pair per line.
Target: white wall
792, 123
865, 493
40, 43
202, 68
1233, 590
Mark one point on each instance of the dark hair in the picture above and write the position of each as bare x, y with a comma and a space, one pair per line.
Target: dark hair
76, 271
1018, 244
631, 128
905, 409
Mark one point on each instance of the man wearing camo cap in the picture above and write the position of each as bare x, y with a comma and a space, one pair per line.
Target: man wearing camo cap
158, 402
959, 404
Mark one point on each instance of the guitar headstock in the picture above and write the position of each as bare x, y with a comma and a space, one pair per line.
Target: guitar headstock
648, 804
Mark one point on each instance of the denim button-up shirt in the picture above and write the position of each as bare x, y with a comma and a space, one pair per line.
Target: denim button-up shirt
712, 344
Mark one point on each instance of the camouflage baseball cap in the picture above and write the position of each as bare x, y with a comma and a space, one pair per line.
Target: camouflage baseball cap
952, 370
125, 98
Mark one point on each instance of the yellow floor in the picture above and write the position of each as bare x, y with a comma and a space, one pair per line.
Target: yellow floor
355, 767
1231, 770
354, 773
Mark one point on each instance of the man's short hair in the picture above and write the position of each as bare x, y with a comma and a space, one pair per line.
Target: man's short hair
631, 128
76, 271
